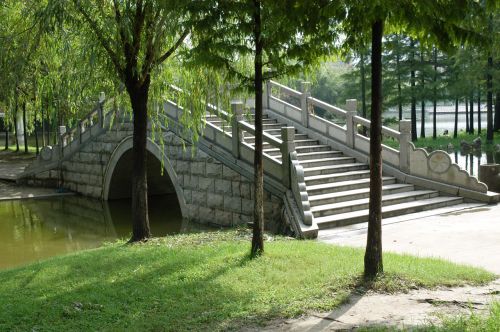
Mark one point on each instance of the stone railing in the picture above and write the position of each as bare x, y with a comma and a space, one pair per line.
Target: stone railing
298, 107
70, 140
284, 169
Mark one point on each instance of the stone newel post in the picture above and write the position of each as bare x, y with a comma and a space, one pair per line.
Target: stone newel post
351, 111
404, 145
266, 94
100, 110
237, 110
306, 93
288, 138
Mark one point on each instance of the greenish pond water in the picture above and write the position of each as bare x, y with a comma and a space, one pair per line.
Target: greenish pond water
36, 229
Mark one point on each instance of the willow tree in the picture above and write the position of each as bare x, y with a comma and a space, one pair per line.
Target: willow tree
441, 21
277, 39
134, 38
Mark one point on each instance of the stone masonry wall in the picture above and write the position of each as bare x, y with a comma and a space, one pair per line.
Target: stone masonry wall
213, 192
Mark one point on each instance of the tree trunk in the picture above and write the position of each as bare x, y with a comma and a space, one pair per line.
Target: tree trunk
467, 130
479, 110
43, 122
258, 225
398, 70
489, 102
6, 133
25, 133
422, 103
363, 89
434, 98
455, 132
471, 113
15, 126
36, 134
412, 91
373, 253
497, 111
139, 100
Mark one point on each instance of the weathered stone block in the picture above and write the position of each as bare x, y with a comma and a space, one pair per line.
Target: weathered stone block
200, 198
232, 203
214, 169
206, 215
246, 190
223, 218
229, 174
215, 201
198, 168
206, 184
236, 188
223, 186
247, 206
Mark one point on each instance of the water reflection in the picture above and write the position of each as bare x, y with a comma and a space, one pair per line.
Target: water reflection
471, 160
36, 229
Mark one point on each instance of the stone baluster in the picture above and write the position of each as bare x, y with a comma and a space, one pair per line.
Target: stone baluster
266, 94
404, 145
306, 93
237, 137
351, 111
100, 109
287, 147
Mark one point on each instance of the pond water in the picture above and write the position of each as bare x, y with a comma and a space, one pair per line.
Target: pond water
35, 229
470, 161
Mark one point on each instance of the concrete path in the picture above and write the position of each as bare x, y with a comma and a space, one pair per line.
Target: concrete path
470, 236
12, 164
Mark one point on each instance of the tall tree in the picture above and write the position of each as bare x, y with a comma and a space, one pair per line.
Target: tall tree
135, 38
260, 31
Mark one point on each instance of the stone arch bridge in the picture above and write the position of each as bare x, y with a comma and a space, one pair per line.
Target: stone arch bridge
316, 168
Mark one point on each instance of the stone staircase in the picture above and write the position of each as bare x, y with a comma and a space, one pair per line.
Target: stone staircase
338, 185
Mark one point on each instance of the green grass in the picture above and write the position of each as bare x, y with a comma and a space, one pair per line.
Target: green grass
201, 282
441, 142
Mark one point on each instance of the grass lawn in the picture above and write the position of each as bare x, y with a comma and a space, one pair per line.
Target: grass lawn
201, 282
441, 142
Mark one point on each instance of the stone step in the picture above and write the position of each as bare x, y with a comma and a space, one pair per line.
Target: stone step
299, 149
346, 176
298, 137
343, 196
362, 204
319, 155
219, 122
334, 169
327, 161
325, 188
349, 218
306, 142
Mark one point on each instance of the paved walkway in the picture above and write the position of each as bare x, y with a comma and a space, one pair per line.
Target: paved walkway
13, 164
469, 236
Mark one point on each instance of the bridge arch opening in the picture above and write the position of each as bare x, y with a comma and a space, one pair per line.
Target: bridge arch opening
166, 203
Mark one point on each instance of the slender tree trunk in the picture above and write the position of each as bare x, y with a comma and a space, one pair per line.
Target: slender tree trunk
412, 91
455, 132
422, 89
258, 225
479, 110
434, 98
471, 113
398, 71
15, 125
373, 253
36, 134
489, 102
140, 219
25, 133
363, 88
6, 133
467, 130
497, 111
43, 122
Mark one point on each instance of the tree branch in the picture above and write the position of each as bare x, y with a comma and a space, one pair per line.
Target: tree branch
167, 54
100, 36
